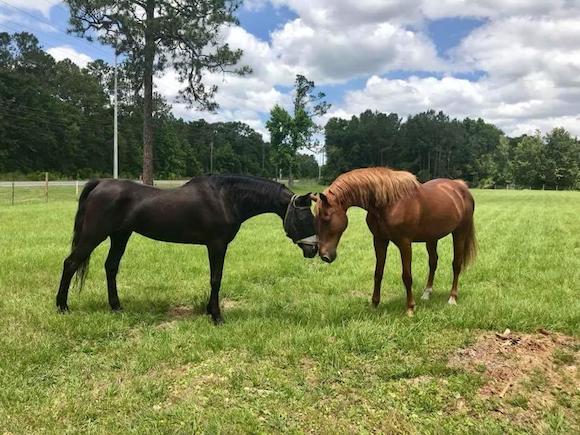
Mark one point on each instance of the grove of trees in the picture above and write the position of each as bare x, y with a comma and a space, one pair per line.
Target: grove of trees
431, 145
57, 117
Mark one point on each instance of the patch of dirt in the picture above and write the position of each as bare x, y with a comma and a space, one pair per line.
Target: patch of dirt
180, 311
226, 304
528, 374
310, 369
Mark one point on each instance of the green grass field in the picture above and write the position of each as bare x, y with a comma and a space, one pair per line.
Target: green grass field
302, 349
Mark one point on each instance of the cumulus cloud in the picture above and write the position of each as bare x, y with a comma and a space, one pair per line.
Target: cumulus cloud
321, 54
518, 107
42, 6
530, 59
328, 56
68, 52
525, 52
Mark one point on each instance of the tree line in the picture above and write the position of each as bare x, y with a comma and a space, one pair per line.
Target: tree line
57, 117
432, 145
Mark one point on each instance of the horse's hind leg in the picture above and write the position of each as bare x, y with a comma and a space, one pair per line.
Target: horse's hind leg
116, 251
381, 256
458, 250
433, 257
406, 257
77, 257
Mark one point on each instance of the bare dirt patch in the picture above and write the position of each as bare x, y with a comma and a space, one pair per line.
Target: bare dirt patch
180, 311
527, 374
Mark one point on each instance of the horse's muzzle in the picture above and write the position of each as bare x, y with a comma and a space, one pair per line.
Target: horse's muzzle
309, 251
328, 258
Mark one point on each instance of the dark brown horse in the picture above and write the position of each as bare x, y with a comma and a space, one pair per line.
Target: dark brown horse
402, 210
205, 211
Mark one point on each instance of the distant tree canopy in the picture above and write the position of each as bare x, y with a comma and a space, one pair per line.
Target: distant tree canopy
57, 117
432, 145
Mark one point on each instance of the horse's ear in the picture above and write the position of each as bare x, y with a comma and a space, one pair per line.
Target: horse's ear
323, 198
313, 197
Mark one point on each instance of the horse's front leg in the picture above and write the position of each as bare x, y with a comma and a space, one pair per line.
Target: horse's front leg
217, 253
381, 256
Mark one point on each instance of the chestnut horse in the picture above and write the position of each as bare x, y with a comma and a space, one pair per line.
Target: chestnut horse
402, 210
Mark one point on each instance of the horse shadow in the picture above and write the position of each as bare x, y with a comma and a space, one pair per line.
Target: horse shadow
146, 308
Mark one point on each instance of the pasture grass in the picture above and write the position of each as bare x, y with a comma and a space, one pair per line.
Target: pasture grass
301, 350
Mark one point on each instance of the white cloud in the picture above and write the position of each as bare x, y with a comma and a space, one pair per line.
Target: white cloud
328, 56
68, 52
341, 14
518, 107
42, 6
527, 50
513, 47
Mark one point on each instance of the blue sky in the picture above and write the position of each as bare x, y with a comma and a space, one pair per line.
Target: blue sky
514, 63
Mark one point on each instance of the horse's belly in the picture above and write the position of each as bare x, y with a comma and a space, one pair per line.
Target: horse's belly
434, 229
172, 236
174, 224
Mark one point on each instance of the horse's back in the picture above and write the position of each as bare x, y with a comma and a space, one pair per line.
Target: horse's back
436, 209
185, 214
449, 198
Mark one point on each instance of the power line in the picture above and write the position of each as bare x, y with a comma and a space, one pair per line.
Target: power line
49, 24
33, 31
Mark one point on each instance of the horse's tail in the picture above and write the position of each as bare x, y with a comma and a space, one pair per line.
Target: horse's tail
470, 248
83, 267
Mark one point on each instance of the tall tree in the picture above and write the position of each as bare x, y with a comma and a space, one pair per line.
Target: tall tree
158, 34
290, 133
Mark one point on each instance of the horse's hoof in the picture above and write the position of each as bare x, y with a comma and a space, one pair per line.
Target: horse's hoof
117, 309
410, 312
376, 303
427, 294
452, 300
217, 320
63, 309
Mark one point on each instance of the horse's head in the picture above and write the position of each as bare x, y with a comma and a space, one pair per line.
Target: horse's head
331, 221
299, 224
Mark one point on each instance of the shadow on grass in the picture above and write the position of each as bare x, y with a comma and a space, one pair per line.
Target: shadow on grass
152, 307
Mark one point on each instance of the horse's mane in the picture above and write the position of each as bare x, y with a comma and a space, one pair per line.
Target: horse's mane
241, 187
365, 187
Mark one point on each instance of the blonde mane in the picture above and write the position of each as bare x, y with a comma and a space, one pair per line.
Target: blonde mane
377, 187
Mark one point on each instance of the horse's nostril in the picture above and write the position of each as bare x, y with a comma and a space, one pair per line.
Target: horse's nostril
325, 258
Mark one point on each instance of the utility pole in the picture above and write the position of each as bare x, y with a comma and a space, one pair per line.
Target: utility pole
211, 156
321, 164
115, 129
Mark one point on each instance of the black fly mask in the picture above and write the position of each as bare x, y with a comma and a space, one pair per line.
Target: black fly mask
299, 224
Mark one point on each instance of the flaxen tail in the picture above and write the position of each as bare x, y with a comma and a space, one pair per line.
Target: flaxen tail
83, 268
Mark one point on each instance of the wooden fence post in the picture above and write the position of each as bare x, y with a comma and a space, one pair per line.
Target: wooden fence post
12, 192
77, 188
46, 186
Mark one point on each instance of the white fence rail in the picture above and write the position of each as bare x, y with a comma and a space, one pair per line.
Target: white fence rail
26, 192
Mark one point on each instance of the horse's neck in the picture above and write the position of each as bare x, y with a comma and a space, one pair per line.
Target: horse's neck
348, 201
249, 203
